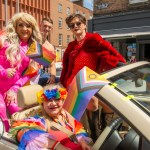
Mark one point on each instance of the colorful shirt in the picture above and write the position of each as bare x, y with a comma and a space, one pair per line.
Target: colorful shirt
37, 123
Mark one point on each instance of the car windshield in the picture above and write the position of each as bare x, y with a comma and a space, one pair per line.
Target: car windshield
136, 82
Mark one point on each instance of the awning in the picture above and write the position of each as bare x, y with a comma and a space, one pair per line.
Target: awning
125, 32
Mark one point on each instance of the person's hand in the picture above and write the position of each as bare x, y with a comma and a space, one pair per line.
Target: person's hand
34, 64
11, 97
10, 72
51, 80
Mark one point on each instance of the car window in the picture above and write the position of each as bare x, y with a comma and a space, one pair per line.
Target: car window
135, 82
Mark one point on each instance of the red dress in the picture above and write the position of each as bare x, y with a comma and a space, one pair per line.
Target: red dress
95, 53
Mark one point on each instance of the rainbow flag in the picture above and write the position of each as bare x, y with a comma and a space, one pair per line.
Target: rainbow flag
84, 85
31, 71
41, 54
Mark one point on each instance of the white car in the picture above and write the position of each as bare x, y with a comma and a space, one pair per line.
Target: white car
128, 95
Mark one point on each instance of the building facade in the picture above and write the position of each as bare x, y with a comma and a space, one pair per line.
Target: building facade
58, 10
61, 35
37, 8
126, 24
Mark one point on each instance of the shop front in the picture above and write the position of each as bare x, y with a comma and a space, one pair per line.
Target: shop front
129, 33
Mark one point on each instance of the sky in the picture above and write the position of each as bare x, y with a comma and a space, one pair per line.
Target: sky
88, 4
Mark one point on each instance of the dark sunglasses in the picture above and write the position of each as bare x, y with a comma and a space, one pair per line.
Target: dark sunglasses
72, 25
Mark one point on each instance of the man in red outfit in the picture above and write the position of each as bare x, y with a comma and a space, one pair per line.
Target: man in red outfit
88, 49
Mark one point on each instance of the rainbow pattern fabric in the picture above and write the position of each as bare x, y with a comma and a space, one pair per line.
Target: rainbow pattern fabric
84, 85
41, 54
31, 123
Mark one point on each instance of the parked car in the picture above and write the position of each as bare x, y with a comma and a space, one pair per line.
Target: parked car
128, 95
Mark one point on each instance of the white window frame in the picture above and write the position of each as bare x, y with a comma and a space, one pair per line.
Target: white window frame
83, 14
59, 7
60, 38
60, 23
68, 39
77, 11
68, 11
90, 17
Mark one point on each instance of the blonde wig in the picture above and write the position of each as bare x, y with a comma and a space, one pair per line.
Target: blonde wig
13, 51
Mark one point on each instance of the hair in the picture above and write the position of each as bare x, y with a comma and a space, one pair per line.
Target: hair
47, 19
50, 87
72, 16
11, 37
53, 86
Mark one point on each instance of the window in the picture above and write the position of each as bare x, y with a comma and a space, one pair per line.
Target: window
68, 39
83, 14
59, 7
60, 23
91, 17
68, 11
68, 28
77, 12
60, 39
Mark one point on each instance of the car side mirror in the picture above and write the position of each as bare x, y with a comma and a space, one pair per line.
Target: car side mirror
1, 128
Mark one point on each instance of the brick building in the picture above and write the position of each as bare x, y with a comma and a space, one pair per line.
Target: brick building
37, 8
126, 24
58, 10
61, 34
107, 7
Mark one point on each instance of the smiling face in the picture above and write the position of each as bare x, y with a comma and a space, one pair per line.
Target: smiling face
46, 27
53, 107
24, 30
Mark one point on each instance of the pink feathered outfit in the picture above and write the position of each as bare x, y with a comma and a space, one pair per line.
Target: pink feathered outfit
11, 84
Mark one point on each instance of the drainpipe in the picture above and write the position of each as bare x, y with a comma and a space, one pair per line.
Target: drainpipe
6, 14
17, 6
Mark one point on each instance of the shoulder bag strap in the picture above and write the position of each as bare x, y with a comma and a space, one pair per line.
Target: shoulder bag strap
69, 133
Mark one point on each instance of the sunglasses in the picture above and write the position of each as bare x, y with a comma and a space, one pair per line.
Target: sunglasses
72, 25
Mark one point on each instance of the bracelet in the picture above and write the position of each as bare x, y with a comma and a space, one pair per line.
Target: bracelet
55, 145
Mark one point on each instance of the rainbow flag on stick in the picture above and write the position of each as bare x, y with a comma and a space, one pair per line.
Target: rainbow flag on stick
41, 53
31, 71
84, 85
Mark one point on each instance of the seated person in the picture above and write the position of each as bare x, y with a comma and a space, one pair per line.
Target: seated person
56, 129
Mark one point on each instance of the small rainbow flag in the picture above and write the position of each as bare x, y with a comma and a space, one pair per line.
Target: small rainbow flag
31, 71
84, 85
41, 54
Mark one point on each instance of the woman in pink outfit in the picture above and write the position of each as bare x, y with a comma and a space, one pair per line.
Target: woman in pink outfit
20, 32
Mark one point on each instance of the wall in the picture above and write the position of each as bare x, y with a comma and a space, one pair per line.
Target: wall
55, 15
107, 7
37, 8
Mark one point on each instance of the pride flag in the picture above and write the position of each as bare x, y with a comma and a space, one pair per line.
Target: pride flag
41, 53
84, 85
